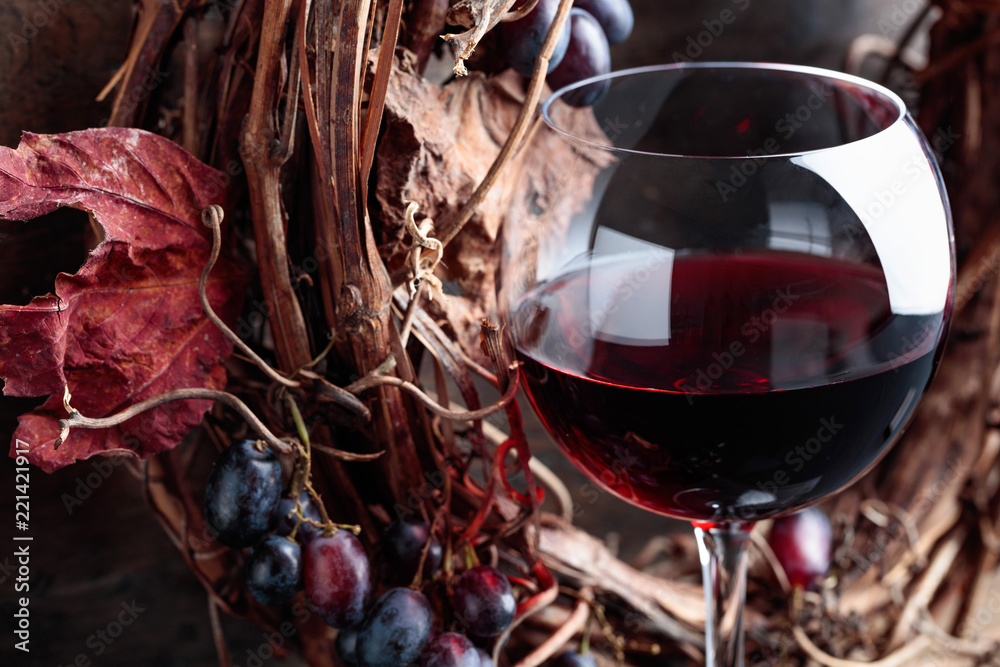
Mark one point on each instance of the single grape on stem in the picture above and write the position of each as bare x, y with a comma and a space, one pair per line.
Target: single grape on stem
402, 546
337, 578
522, 39
587, 55
396, 630
802, 542
615, 16
450, 649
484, 601
242, 494
274, 570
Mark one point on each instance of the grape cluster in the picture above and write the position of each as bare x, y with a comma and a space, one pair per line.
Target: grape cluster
583, 49
292, 551
245, 508
399, 628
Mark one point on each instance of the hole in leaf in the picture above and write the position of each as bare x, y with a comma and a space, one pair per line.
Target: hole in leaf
34, 251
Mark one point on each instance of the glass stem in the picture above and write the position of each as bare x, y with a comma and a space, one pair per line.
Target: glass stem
723, 551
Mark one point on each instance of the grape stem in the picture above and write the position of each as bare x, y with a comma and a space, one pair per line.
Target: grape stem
418, 577
77, 420
305, 477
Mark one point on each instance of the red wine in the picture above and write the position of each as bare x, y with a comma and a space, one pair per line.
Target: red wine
723, 387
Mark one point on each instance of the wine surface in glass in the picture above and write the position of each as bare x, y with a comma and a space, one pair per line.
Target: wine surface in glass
722, 387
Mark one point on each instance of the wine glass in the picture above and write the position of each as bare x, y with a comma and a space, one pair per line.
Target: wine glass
729, 296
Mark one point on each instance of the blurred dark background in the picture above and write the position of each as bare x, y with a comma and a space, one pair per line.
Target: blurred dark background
90, 558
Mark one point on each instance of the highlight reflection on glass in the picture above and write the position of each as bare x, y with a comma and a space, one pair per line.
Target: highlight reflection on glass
746, 304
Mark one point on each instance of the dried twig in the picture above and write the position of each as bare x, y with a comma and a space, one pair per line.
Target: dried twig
218, 635
77, 420
574, 624
334, 394
263, 153
374, 381
897, 659
479, 16
376, 99
212, 217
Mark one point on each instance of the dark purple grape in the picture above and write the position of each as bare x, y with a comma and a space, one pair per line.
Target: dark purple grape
615, 17
485, 660
274, 570
588, 55
573, 659
286, 519
347, 645
337, 578
484, 601
402, 545
396, 630
242, 493
802, 542
449, 649
522, 39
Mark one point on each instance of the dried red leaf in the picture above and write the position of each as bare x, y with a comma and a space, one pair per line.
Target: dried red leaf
129, 324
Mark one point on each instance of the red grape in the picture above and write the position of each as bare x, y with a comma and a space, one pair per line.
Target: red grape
402, 546
449, 649
243, 491
588, 55
802, 543
484, 601
522, 39
274, 570
396, 630
615, 17
337, 578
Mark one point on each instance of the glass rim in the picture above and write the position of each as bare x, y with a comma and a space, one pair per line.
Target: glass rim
841, 77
